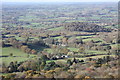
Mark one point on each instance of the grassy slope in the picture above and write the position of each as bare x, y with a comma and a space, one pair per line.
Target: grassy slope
20, 56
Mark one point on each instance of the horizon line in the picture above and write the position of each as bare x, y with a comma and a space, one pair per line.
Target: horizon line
62, 2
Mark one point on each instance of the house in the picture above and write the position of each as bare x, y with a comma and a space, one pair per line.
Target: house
59, 57
64, 56
63, 45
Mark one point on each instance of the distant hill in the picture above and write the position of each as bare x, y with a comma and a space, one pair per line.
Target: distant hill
87, 27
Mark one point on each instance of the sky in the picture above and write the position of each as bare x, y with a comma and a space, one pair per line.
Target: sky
60, 0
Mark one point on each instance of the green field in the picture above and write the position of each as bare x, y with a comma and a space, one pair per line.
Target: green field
108, 26
59, 37
19, 38
16, 52
48, 50
94, 39
17, 55
115, 45
73, 49
58, 28
95, 52
84, 36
